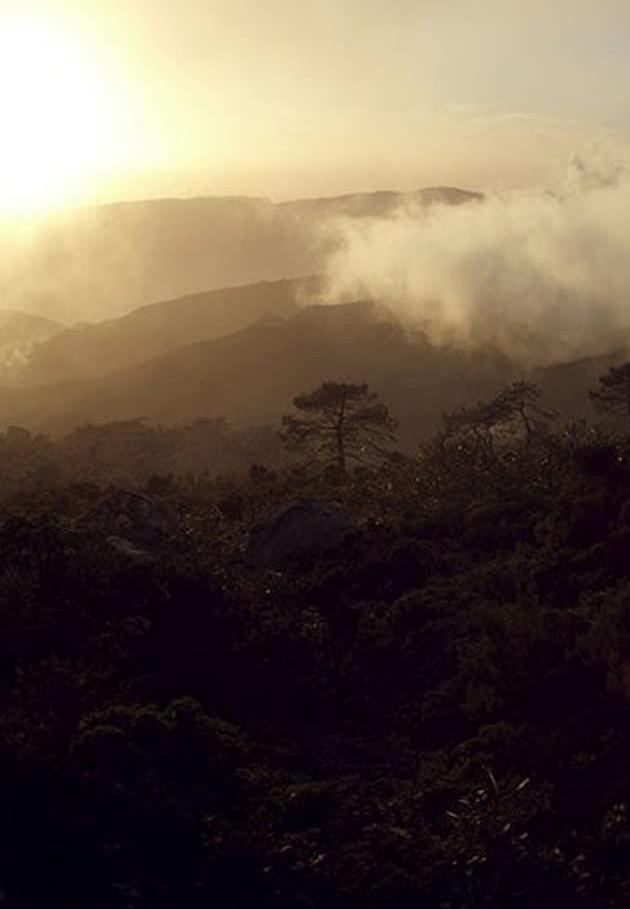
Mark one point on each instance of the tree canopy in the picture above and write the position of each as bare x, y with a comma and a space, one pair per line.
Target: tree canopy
339, 423
430, 711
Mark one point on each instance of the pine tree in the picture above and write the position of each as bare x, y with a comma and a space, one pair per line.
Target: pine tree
338, 423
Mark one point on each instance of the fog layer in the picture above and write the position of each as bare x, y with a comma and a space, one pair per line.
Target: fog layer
542, 276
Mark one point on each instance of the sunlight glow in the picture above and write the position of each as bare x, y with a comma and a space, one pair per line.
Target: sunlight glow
58, 117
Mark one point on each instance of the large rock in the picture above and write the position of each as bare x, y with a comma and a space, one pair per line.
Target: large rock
130, 551
304, 526
130, 516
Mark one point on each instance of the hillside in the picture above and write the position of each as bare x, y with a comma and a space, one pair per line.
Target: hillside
89, 350
99, 262
20, 332
141, 365
379, 204
417, 695
252, 375
565, 386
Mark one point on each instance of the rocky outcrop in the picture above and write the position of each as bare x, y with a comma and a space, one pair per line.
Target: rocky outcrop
132, 517
300, 527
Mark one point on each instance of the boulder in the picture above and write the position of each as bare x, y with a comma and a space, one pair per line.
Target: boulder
303, 526
130, 516
130, 551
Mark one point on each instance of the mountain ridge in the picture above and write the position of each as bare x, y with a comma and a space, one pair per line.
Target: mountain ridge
99, 262
251, 375
87, 350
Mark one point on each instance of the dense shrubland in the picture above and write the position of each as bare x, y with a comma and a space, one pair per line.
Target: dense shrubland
434, 713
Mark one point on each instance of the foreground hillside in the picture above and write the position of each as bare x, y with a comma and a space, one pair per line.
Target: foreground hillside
425, 705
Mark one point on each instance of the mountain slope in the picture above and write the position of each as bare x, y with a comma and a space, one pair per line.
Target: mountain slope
252, 375
20, 332
378, 204
566, 385
89, 350
96, 263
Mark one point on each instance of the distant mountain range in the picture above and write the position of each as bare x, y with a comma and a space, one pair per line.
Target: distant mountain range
379, 204
251, 375
243, 351
89, 350
96, 263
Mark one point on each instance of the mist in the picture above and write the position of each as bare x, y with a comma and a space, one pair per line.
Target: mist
542, 276
94, 263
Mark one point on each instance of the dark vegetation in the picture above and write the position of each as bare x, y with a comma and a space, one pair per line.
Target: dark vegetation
429, 709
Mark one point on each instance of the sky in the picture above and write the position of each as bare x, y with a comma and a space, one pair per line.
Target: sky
105, 99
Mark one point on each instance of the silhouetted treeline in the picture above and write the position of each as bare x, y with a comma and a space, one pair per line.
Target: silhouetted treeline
401, 683
130, 452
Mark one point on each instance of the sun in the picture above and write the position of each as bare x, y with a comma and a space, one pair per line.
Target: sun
58, 126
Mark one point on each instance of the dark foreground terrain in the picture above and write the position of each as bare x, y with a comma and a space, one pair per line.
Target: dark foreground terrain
402, 684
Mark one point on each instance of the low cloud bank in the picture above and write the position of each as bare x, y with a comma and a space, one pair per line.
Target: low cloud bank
541, 276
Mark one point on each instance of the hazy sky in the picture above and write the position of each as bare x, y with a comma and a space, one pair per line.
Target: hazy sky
290, 97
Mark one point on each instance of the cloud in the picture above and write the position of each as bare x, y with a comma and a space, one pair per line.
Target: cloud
542, 276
